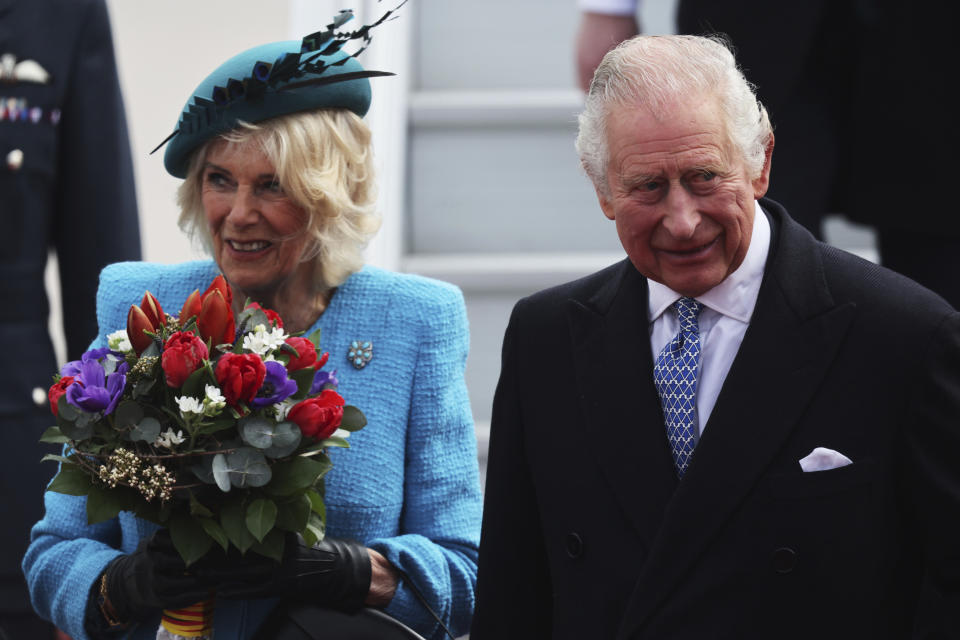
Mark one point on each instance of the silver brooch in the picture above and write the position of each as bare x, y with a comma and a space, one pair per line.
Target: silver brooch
360, 353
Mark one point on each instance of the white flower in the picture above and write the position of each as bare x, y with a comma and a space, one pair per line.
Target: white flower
119, 341
262, 340
168, 438
213, 402
189, 405
341, 433
283, 408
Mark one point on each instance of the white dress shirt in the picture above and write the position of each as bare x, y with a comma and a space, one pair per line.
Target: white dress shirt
726, 313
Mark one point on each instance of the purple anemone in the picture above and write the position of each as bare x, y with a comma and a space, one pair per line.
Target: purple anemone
276, 386
96, 391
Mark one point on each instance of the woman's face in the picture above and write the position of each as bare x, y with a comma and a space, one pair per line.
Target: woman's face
257, 231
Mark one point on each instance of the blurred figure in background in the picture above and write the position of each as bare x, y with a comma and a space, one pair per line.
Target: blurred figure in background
66, 182
852, 87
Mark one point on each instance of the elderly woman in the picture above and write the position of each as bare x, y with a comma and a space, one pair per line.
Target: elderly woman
278, 183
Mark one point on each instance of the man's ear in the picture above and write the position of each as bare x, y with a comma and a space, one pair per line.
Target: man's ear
762, 182
605, 204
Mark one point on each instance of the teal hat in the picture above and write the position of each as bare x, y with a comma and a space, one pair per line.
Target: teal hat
272, 80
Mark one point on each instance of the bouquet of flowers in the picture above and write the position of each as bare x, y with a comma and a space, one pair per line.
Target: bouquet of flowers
211, 425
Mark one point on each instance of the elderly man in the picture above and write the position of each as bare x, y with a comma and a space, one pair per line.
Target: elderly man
737, 432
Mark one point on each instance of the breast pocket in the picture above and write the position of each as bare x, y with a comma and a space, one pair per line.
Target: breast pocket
818, 484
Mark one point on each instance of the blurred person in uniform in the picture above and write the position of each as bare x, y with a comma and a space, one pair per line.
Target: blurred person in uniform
835, 77
66, 183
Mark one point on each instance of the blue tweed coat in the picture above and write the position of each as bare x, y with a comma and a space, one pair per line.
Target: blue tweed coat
408, 486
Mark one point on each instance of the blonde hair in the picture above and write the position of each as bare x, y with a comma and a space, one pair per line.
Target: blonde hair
324, 162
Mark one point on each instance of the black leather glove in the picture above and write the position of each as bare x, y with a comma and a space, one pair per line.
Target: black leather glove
152, 578
333, 573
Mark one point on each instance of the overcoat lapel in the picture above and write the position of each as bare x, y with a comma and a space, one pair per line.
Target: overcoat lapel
614, 378
793, 338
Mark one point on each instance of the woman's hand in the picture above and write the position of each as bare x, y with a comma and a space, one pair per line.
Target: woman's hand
383, 581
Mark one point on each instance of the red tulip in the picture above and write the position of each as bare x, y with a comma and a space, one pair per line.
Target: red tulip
215, 320
137, 323
58, 389
191, 308
151, 307
220, 284
272, 316
240, 376
183, 354
306, 354
318, 417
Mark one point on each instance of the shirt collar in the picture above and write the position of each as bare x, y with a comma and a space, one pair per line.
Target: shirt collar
736, 295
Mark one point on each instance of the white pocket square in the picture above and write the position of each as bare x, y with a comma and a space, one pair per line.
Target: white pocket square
823, 459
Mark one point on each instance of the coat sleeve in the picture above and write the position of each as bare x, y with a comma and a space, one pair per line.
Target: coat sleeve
933, 474
437, 549
513, 588
95, 221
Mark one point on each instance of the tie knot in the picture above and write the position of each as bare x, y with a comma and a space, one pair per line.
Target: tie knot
688, 310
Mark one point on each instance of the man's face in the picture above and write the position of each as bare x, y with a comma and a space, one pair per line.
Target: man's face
680, 194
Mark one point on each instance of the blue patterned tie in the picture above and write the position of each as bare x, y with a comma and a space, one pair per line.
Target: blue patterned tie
675, 374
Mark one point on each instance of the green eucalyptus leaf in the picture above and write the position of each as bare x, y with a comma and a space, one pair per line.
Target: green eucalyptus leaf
53, 435
296, 475
261, 516
103, 504
233, 521
189, 538
204, 470
245, 467
71, 480
221, 472
272, 546
353, 419
256, 431
147, 430
216, 425
127, 415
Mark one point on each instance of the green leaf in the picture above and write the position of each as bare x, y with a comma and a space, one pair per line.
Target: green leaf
315, 338
197, 509
335, 441
66, 411
293, 515
221, 472
55, 458
195, 384
189, 538
215, 531
143, 387
304, 380
217, 425
153, 351
53, 435
127, 415
147, 430
272, 546
353, 419
261, 516
316, 503
297, 474
256, 431
103, 504
72, 481
316, 529
233, 520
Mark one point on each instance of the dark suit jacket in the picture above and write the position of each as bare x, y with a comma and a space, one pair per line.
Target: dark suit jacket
854, 88
587, 532
73, 193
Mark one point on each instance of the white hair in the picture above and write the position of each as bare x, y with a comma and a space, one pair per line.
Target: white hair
654, 72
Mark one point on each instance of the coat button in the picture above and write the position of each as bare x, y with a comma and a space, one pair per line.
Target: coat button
15, 160
39, 396
574, 545
784, 560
